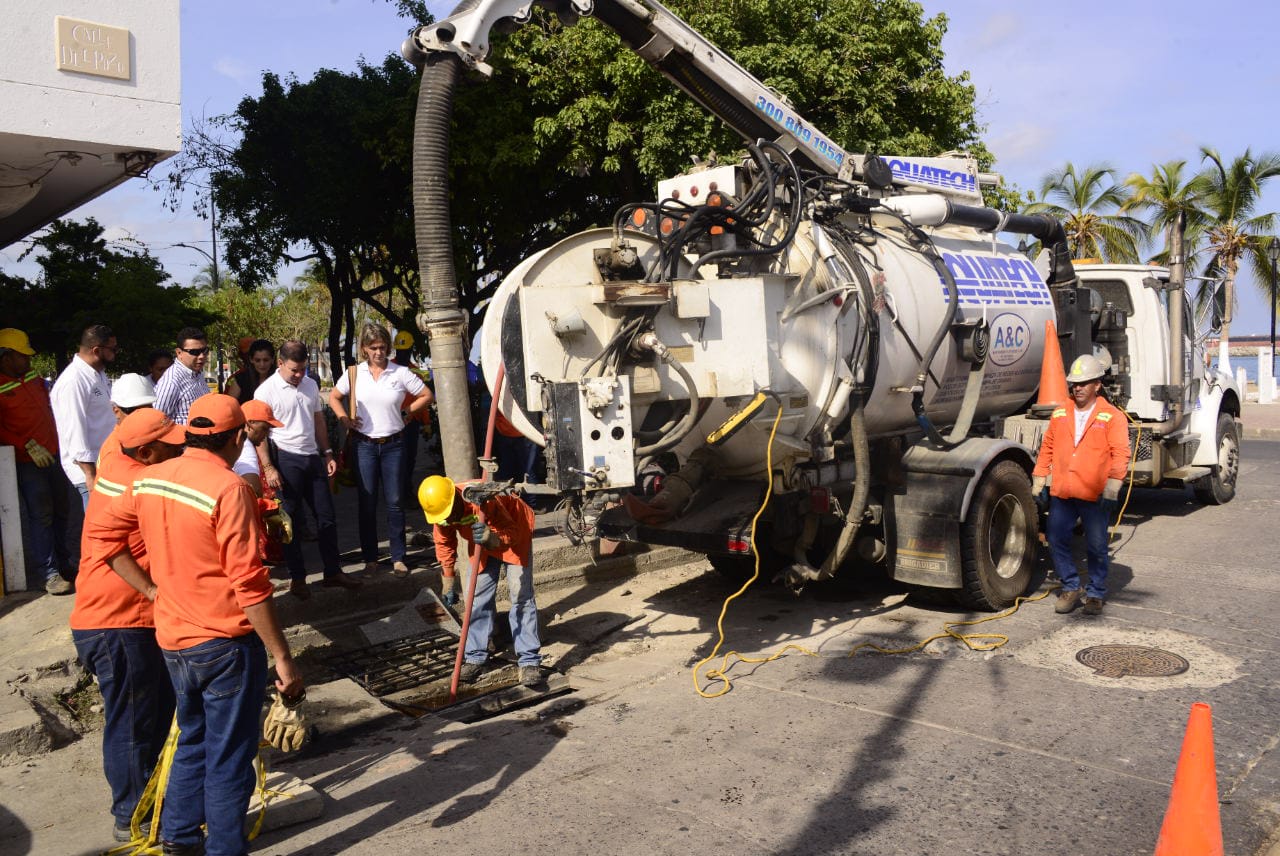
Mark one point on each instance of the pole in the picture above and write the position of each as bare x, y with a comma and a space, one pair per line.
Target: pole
1273, 313
213, 241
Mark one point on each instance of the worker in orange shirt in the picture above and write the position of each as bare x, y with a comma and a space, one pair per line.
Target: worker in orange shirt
112, 624
505, 539
215, 623
1079, 472
27, 424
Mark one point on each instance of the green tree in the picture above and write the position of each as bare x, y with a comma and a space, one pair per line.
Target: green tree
1162, 197
568, 128
1232, 192
84, 281
1089, 203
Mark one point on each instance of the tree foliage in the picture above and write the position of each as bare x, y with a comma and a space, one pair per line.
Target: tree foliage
570, 126
1090, 204
84, 281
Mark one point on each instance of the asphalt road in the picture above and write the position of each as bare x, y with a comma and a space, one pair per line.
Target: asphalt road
1019, 750
1014, 751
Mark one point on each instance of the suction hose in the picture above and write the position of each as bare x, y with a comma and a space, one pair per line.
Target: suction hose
861, 490
443, 318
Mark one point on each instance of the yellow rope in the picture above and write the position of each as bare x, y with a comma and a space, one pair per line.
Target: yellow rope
972, 641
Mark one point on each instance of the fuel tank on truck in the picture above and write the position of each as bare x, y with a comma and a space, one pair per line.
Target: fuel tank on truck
833, 315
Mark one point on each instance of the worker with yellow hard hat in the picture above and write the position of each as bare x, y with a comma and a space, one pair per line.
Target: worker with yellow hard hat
502, 530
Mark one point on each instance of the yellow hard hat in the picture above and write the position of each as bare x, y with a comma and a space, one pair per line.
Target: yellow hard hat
436, 495
403, 340
15, 340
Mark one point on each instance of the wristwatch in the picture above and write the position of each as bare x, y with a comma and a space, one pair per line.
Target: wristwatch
327, 452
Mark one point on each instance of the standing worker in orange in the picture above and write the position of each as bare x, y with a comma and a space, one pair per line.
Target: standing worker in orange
26, 424
505, 540
113, 626
1082, 463
215, 623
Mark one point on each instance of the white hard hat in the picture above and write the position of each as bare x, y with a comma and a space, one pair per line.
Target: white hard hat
1086, 368
133, 390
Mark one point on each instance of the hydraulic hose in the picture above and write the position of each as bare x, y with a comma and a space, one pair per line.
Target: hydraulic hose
443, 318
651, 342
861, 490
917, 395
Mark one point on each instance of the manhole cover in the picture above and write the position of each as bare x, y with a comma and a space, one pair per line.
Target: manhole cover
400, 664
1135, 661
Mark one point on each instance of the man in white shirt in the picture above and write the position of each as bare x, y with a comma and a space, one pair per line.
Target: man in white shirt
305, 462
183, 382
81, 399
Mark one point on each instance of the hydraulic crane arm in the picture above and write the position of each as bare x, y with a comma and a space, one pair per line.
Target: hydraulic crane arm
708, 75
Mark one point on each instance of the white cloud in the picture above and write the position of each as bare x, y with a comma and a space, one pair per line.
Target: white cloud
234, 69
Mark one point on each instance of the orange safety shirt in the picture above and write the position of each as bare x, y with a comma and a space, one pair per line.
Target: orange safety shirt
110, 448
510, 518
25, 414
103, 598
1081, 472
200, 522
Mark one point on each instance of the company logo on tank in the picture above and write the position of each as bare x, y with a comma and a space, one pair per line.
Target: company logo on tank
1010, 339
984, 280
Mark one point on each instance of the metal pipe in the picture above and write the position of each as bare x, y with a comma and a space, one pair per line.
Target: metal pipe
1177, 290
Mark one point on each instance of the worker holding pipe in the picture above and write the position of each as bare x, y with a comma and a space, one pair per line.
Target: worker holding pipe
501, 529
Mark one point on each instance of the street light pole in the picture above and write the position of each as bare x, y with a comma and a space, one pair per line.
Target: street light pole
1273, 253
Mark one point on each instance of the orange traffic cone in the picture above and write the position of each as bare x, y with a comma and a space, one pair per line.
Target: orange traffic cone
1191, 823
1053, 377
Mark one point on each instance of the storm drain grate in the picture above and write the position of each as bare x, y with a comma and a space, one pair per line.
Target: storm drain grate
1134, 661
401, 664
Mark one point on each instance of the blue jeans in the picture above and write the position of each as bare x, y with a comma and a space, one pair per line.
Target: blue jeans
220, 686
43, 494
84, 495
137, 704
524, 613
380, 464
304, 481
1063, 514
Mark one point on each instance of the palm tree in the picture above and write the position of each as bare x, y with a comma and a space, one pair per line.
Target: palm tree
1163, 196
1231, 194
1088, 203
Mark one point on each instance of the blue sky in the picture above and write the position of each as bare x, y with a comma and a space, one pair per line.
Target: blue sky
1129, 82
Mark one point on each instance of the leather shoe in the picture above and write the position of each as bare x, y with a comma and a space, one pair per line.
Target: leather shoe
1067, 601
298, 588
341, 580
1093, 606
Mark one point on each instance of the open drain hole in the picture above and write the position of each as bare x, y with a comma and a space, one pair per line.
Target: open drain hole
1132, 661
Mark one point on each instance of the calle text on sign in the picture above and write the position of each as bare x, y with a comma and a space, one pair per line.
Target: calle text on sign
90, 48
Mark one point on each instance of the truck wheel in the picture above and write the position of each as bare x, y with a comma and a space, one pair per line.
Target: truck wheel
1219, 487
998, 540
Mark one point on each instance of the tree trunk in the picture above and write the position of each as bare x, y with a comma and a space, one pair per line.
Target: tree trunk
1228, 299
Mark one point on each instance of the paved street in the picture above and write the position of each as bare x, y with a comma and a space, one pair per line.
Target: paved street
1020, 750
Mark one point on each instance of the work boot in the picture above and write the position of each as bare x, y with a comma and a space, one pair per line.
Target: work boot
400, 569
1067, 601
57, 585
530, 676
341, 580
170, 849
1093, 606
123, 832
298, 588
470, 673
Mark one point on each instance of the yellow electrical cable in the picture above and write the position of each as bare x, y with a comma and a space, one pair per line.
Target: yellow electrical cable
1133, 463
972, 641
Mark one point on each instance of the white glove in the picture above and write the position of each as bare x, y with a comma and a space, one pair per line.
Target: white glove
40, 456
1037, 485
1111, 490
286, 725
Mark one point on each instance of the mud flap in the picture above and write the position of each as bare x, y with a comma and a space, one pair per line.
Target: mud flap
926, 543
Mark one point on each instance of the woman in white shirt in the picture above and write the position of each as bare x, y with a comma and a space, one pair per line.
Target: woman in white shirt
378, 423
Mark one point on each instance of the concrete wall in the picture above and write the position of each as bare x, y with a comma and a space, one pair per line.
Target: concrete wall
37, 99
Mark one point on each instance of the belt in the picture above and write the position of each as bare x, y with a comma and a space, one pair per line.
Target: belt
378, 440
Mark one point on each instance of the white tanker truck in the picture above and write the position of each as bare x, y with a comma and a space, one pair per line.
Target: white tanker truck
847, 335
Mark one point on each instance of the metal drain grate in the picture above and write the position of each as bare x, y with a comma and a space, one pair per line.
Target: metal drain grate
1134, 661
401, 664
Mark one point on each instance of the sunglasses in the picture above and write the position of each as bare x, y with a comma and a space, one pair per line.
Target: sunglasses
195, 352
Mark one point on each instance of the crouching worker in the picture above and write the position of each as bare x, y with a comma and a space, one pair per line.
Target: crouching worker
112, 623
505, 538
215, 624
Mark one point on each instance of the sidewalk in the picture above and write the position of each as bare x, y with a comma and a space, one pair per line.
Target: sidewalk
1261, 421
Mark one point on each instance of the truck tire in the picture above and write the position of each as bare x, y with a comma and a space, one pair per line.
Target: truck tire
1219, 487
998, 540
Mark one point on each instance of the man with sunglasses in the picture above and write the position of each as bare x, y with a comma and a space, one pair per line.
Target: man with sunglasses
1083, 460
183, 382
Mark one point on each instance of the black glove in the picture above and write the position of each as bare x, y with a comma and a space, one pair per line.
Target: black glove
1042, 499
1108, 507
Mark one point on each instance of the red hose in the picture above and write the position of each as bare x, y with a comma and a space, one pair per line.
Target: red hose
475, 548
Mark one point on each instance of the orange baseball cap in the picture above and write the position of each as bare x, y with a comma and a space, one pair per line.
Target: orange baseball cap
259, 411
149, 426
222, 410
